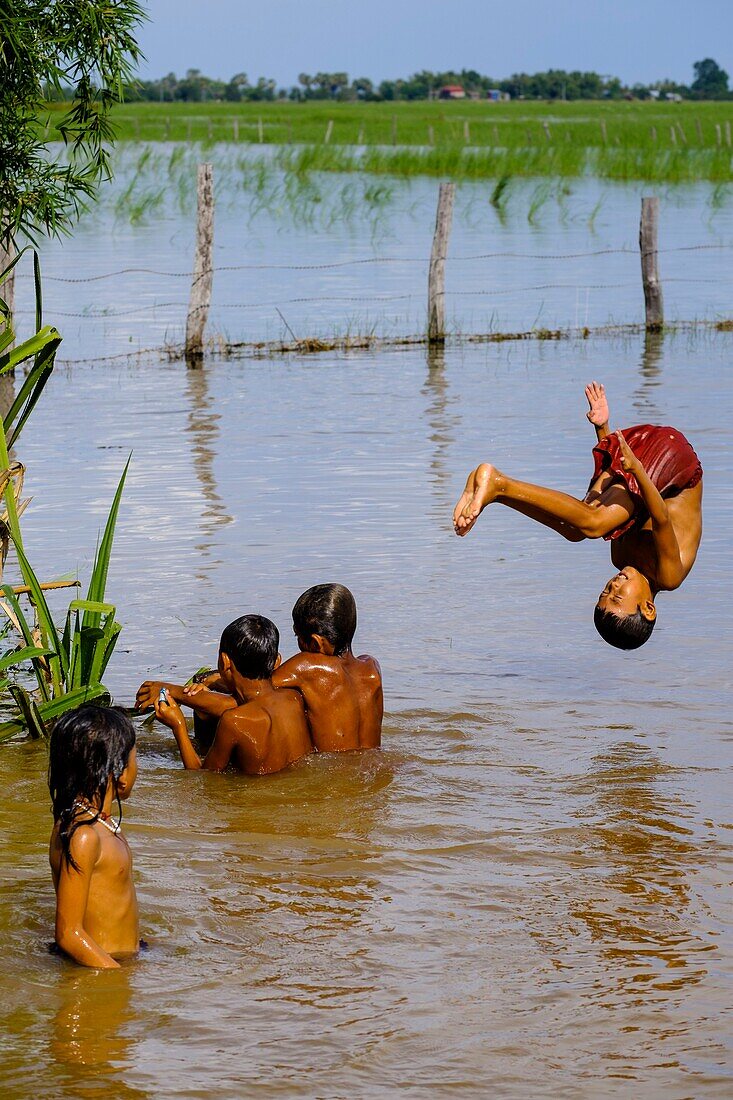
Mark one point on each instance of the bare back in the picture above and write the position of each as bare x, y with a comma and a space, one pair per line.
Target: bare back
261, 736
343, 698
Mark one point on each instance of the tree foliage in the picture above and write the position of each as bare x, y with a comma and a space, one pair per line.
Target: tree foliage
711, 83
83, 51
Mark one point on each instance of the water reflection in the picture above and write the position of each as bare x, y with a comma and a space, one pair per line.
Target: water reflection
650, 368
90, 1033
642, 914
203, 428
442, 422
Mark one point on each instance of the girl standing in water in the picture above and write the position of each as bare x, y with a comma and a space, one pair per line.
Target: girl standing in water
92, 766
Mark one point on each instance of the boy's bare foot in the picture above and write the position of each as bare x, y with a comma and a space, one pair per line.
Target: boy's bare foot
482, 487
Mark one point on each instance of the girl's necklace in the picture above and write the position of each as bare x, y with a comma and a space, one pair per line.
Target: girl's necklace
102, 818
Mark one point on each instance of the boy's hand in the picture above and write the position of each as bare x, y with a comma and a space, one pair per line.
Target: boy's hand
194, 689
598, 411
629, 461
168, 712
147, 693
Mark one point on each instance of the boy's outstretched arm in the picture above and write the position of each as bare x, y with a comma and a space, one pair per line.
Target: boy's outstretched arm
598, 411
206, 703
220, 753
670, 572
72, 894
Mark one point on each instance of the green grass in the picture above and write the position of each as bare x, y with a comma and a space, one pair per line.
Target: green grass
666, 142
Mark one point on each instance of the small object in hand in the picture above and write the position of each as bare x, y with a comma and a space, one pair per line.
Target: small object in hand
162, 696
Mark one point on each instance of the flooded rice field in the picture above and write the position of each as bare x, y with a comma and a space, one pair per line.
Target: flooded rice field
526, 892
326, 254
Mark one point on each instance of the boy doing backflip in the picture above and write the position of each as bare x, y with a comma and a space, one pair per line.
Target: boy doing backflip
645, 497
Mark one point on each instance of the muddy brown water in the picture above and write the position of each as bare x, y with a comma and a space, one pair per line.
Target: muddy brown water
526, 892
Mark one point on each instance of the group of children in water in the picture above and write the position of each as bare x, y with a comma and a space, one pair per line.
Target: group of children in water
254, 713
259, 716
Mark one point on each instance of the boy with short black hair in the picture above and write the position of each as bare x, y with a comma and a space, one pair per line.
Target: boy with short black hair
342, 693
260, 730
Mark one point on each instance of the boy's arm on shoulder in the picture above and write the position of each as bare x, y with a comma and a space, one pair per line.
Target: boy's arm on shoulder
72, 894
290, 673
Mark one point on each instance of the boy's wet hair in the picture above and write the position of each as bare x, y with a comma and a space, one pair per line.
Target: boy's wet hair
251, 643
88, 746
623, 631
328, 610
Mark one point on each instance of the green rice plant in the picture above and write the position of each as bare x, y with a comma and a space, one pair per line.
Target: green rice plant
540, 196
68, 666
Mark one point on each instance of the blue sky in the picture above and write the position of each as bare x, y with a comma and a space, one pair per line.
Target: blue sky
634, 39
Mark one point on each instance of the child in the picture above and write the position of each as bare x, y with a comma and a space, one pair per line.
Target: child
645, 495
342, 693
260, 730
92, 765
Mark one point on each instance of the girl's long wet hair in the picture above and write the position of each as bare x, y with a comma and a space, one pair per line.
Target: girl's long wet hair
88, 746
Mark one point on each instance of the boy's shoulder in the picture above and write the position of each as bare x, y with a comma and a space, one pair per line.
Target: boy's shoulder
256, 713
306, 664
370, 663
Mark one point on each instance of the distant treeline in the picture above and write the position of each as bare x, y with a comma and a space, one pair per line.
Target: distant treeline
710, 82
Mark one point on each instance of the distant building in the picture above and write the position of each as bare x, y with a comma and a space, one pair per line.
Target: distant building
673, 97
452, 91
497, 96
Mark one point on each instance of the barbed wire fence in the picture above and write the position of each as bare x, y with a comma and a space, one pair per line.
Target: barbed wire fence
200, 298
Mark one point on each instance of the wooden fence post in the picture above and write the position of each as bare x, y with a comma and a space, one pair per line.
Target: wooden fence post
648, 234
436, 273
260, 131
431, 136
466, 133
329, 131
200, 299
235, 129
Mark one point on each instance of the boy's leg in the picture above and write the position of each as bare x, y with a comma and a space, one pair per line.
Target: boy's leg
556, 510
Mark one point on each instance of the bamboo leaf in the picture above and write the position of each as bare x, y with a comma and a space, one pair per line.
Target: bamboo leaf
50, 711
6, 270
98, 581
33, 385
92, 605
39, 291
58, 663
26, 631
34, 345
29, 710
20, 656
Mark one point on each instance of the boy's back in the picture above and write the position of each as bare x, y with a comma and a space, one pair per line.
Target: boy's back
262, 735
342, 695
